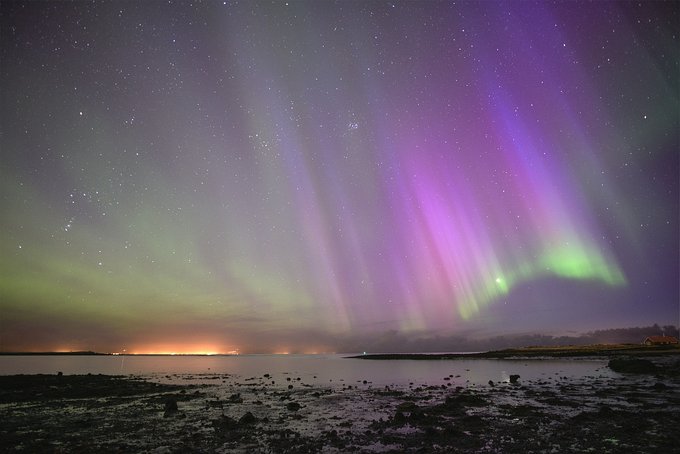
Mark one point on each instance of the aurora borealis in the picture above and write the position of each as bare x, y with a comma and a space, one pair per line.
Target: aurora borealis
288, 176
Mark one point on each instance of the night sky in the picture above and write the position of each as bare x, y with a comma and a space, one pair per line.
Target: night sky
297, 176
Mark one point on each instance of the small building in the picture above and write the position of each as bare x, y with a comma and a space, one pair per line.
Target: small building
660, 340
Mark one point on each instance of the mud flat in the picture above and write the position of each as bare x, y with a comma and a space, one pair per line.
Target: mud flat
622, 412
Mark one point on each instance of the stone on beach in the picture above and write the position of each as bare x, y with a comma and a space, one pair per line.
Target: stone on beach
293, 406
236, 398
170, 407
224, 422
247, 419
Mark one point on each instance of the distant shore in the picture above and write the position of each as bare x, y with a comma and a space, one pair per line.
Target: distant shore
568, 351
78, 353
89, 353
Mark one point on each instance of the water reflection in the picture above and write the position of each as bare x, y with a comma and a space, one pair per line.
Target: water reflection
312, 369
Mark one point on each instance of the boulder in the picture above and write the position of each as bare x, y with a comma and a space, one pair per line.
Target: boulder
170, 407
225, 425
407, 406
293, 406
658, 386
236, 399
247, 419
514, 378
399, 418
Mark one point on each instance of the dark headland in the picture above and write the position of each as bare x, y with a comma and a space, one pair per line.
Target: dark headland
568, 351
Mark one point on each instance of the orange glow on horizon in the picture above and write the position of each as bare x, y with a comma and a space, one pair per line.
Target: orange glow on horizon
205, 348
179, 349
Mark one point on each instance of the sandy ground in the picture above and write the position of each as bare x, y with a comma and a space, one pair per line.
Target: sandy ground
636, 412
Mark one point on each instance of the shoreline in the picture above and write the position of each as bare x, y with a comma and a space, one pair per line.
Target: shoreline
569, 351
565, 351
631, 412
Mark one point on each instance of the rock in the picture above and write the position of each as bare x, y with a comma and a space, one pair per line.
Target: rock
162, 450
293, 406
407, 406
658, 386
170, 407
606, 410
247, 419
224, 423
491, 383
418, 416
236, 399
514, 378
632, 366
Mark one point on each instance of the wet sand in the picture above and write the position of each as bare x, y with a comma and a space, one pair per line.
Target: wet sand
627, 412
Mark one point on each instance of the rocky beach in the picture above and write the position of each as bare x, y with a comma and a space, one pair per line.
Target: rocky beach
636, 409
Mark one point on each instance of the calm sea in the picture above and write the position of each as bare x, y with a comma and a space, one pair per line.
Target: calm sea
312, 369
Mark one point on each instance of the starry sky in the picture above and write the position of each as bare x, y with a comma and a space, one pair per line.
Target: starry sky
292, 176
